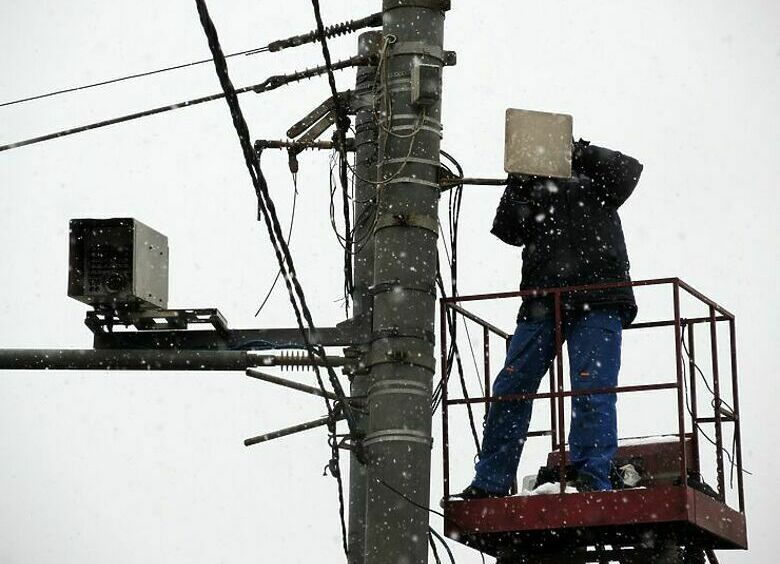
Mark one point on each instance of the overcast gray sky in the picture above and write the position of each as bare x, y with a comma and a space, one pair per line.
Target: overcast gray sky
151, 467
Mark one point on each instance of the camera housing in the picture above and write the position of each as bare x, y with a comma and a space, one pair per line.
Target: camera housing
118, 264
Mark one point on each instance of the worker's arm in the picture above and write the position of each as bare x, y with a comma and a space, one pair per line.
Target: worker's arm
614, 174
513, 221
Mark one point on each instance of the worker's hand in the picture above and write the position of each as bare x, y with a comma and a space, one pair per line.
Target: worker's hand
518, 179
576, 152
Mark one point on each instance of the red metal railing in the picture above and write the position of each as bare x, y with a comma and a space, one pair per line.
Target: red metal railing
557, 394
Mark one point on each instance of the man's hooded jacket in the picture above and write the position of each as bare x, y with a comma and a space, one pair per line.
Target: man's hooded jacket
570, 232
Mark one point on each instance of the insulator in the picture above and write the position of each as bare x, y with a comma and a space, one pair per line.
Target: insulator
293, 360
335, 30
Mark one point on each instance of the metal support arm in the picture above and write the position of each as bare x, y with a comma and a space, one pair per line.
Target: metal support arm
291, 430
185, 360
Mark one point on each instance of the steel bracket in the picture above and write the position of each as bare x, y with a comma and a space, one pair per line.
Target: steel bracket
416, 356
423, 49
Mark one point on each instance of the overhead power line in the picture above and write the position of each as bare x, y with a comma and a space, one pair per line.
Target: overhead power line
343, 28
286, 265
127, 77
267, 85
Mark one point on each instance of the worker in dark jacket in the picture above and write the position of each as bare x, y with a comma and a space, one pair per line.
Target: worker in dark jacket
571, 236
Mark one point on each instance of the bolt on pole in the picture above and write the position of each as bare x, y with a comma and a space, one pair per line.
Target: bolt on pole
398, 442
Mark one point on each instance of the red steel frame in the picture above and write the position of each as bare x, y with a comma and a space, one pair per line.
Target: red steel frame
557, 393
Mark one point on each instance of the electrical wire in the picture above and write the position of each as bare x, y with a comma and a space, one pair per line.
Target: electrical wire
729, 456
342, 125
433, 547
453, 354
286, 264
127, 77
289, 238
351, 26
271, 83
433, 534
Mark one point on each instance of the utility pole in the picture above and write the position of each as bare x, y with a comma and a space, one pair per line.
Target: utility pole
398, 442
366, 157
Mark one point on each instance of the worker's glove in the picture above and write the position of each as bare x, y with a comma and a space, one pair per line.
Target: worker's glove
578, 147
520, 182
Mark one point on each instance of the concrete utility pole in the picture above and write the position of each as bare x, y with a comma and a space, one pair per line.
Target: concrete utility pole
366, 157
398, 442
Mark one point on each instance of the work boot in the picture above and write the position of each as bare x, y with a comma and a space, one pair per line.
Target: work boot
474, 492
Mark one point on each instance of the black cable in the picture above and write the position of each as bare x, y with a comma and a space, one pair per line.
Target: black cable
433, 547
289, 238
342, 126
461, 375
351, 26
405, 497
284, 258
267, 85
729, 455
431, 531
127, 77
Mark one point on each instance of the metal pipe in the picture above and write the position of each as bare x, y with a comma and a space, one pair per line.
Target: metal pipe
185, 360
258, 375
694, 399
568, 393
42, 359
680, 388
559, 391
737, 420
287, 431
468, 315
447, 183
486, 359
717, 406
567, 289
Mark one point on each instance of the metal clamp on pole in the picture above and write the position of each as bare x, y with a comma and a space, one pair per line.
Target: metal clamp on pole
427, 222
415, 352
395, 286
398, 435
412, 333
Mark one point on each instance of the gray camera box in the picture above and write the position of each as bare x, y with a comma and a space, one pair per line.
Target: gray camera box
538, 143
118, 263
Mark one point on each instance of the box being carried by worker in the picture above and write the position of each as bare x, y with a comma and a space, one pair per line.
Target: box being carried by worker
538, 143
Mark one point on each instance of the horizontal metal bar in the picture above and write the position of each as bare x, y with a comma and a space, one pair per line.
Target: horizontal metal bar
32, 359
565, 394
701, 297
287, 431
563, 290
89, 359
725, 419
468, 315
670, 322
449, 182
539, 434
233, 339
259, 375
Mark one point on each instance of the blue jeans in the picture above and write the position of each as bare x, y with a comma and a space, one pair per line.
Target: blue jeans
594, 340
